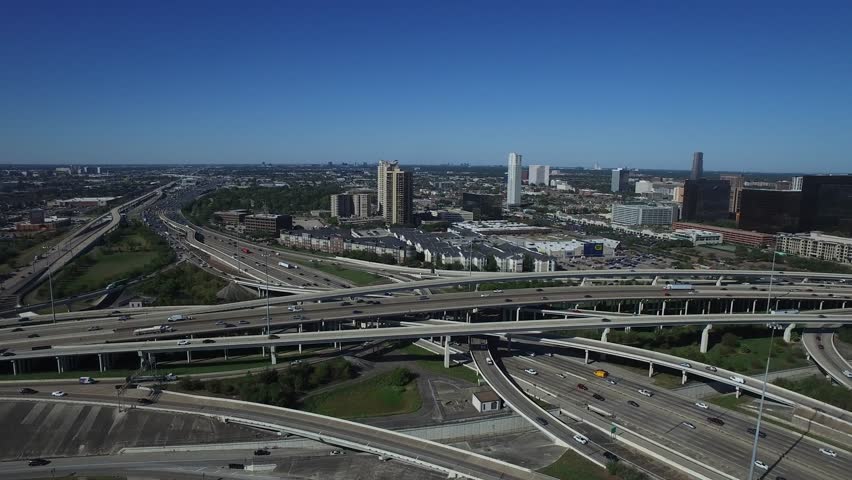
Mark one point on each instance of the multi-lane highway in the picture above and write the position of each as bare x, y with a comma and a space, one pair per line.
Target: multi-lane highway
819, 343
663, 418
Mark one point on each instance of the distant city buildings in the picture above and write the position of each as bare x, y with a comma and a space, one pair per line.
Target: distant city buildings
635, 214
341, 205
619, 181
513, 181
697, 166
816, 245
706, 200
539, 175
826, 204
346, 205
82, 202
644, 187
233, 218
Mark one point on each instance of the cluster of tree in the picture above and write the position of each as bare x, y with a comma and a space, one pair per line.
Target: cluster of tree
11, 248
624, 472
522, 284
792, 261
816, 387
293, 200
385, 258
273, 387
183, 285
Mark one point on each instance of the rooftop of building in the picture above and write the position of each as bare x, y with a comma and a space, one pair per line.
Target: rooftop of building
819, 236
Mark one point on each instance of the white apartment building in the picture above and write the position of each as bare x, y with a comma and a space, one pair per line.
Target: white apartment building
644, 214
816, 245
539, 175
513, 183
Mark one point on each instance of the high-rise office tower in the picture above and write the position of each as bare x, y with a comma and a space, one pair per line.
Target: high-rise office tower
737, 183
826, 204
705, 199
513, 184
361, 204
398, 208
697, 166
381, 178
539, 175
619, 180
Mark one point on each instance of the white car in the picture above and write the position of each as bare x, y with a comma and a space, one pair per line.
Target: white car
702, 405
560, 375
581, 439
737, 379
828, 451
847, 373
531, 371
489, 361
336, 452
483, 295
645, 392
759, 464
532, 354
611, 381
58, 393
498, 291
183, 342
685, 365
688, 425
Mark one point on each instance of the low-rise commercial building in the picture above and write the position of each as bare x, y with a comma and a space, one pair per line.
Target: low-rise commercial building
266, 223
233, 218
697, 237
486, 401
731, 235
816, 245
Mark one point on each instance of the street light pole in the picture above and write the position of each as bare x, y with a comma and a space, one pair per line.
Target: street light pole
766, 371
50, 284
266, 263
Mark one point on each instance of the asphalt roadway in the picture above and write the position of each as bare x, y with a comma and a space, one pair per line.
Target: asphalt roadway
660, 417
109, 328
327, 429
819, 343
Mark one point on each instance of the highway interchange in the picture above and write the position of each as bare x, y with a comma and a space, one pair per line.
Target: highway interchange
715, 451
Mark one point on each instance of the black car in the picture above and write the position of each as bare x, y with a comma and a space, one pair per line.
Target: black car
273, 337
345, 304
33, 335
261, 451
38, 462
208, 340
145, 401
27, 391
610, 456
356, 312
632, 403
7, 354
539, 289
541, 421
587, 296
605, 320
716, 421
508, 299
751, 430
598, 396
17, 329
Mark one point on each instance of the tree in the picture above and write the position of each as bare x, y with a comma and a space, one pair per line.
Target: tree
730, 340
491, 264
528, 265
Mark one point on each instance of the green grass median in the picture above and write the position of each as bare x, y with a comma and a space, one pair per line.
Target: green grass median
390, 393
357, 277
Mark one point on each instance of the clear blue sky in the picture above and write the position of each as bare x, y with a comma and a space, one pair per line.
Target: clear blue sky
756, 85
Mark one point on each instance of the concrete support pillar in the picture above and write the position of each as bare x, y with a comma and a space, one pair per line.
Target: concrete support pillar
776, 304
141, 359
300, 331
446, 352
641, 305
788, 332
709, 305
719, 282
583, 282
152, 359
686, 307
754, 307
59, 366
101, 362
738, 392
518, 314
188, 356
663, 311
820, 304
626, 329
683, 377
595, 307
650, 370
705, 338
226, 354
731, 310
604, 334
509, 342
656, 279
272, 355
586, 361
15, 366
844, 305
467, 316
619, 308
799, 305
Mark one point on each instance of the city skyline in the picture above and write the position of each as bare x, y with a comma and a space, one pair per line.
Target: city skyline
309, 84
